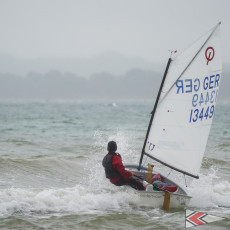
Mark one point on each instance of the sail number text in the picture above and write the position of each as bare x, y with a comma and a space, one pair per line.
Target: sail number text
203, 113
203, 100
190, 85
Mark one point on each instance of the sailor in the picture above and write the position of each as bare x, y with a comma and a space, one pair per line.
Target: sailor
115, 170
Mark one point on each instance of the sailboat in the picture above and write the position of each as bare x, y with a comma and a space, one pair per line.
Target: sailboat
181, 118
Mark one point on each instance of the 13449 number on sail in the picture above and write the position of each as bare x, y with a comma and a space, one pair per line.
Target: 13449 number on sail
200, 114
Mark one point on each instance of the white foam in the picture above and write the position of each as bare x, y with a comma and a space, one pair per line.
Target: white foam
210, 191
78, 199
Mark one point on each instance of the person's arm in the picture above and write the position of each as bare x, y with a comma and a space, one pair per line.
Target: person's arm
117, 164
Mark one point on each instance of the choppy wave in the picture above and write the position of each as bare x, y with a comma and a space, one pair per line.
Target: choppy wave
210, 191
85, 200
50, 164
78, 199
40, 171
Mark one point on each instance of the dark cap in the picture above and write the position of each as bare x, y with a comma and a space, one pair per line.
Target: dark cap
112, 147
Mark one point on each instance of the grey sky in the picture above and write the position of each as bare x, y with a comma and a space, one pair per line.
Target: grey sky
85, 28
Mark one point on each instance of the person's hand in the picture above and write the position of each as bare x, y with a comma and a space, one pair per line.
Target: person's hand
132, 173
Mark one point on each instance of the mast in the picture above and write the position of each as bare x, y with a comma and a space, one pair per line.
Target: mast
153, 112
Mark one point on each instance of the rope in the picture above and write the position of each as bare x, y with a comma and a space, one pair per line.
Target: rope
185, 181
169, 172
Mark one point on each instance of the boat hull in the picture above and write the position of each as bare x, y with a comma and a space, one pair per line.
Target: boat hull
155, 199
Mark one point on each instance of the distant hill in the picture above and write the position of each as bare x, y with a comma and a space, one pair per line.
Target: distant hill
110, 75
224, 92
111, 62
135, 84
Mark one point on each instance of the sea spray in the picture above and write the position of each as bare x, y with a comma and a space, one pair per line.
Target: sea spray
78, 199
210, 191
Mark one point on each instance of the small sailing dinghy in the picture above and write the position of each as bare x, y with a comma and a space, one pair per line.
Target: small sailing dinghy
181, 118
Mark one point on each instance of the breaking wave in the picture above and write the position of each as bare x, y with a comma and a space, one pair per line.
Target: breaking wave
210, 191
78, 199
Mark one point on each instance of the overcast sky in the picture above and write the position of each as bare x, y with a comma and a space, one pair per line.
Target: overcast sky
85, 28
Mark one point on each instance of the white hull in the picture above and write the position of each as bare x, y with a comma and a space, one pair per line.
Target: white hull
155, 199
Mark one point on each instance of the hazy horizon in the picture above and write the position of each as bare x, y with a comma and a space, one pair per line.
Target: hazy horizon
112, 62
106, 38
84, 29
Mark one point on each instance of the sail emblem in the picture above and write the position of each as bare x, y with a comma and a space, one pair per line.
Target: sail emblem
151, 146
209, 54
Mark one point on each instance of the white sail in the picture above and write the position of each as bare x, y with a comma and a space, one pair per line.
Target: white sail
184, 114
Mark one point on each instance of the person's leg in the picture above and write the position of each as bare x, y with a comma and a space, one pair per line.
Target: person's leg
135, 184
121, 182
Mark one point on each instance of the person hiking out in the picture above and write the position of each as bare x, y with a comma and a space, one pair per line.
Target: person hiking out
115, 170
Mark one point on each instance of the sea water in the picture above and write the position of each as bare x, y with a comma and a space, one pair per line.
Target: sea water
51, 175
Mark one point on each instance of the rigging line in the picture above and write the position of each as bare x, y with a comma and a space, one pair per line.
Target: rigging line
190, 62
170, 172
185, 181
187, 47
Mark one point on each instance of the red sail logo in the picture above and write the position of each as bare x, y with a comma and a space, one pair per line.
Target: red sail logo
209, 54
